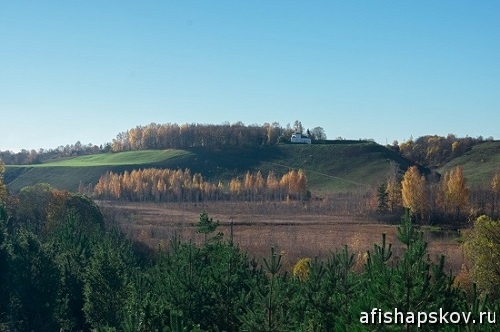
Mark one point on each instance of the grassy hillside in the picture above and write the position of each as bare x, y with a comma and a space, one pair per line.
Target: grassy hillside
330, 167
67, 173
478, 164
114, 159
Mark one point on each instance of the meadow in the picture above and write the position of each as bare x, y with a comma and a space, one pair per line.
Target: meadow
256, 227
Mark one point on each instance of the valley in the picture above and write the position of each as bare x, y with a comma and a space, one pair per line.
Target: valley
295, 232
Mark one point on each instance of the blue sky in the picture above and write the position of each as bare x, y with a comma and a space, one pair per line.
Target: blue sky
387, 70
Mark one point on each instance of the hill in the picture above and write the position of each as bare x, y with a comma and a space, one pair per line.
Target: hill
478, 164
338, 166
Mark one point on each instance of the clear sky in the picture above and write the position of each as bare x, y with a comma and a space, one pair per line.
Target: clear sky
386, 70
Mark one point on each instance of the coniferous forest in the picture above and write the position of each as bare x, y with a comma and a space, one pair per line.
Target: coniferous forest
65, 267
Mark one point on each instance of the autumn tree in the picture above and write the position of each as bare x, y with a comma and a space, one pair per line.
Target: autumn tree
272, 132
248, 184
413, 189
164, 136
235, 188
272, 185
288, 183
456, 193
436, 150
165, 185
302, 185
154, 185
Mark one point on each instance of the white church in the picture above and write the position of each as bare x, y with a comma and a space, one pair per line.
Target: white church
299, 138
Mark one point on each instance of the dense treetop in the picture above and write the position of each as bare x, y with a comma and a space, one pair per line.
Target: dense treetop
172, 136
433, 150
429, 150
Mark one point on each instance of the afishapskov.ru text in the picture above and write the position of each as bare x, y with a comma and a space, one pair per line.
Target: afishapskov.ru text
378, 317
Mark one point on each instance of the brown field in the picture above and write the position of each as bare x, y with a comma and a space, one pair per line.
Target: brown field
257, 227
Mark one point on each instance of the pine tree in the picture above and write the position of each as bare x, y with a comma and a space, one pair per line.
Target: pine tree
311, 301
412, 283
206, 225
268, 308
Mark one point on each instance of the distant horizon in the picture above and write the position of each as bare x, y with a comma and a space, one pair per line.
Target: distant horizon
19, 149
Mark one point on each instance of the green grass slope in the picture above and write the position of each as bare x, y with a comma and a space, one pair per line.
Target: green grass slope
67, 173
340, 166
478, 164
114, 159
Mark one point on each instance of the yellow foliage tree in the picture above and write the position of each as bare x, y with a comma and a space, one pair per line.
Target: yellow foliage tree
456, 193
272, 185
301, 182
235, 187
259, 183
413, 188
248, 184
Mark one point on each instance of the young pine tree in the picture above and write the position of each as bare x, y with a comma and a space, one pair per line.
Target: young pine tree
411, 283
207, 226
269, 307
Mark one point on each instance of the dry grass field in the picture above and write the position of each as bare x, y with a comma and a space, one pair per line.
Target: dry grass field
256, 227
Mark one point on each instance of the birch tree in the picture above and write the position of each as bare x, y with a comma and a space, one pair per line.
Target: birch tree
413, 189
